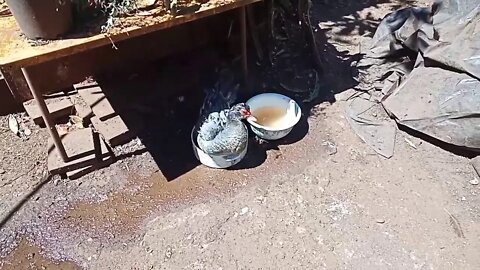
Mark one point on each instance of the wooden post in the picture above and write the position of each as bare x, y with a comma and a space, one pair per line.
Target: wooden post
243, 30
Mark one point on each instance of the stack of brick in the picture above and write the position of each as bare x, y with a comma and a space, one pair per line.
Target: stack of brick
83, 146
105, 120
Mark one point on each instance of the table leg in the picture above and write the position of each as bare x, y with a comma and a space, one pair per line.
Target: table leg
46, 116
243, 29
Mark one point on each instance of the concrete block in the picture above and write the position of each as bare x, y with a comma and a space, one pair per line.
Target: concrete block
83, 150
113, 130
58, 107
82, 109
93, 95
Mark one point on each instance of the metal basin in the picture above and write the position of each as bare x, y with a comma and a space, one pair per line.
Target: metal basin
288, 121
216, 161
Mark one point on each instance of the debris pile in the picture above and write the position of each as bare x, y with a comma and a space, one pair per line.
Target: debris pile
422, 72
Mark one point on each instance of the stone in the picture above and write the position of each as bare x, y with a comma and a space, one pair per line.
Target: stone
82, 109
380, 220
474, 181
244, 211
113, 130
80, 147
58, 107
93, 95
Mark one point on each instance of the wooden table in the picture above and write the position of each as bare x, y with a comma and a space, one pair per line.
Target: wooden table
17, 54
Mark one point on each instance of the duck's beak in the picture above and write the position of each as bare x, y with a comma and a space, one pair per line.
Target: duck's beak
248, 115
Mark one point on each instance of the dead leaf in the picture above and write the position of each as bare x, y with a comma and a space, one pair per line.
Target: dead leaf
13, 124
77, 121
62, 129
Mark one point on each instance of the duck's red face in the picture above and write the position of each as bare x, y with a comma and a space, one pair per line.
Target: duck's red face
240, 111
245, 113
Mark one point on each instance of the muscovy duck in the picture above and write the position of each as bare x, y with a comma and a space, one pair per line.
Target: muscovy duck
220, 127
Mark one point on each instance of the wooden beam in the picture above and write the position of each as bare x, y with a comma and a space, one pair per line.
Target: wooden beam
15, 52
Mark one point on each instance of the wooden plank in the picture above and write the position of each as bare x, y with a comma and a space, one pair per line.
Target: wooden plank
131, 53
16, 83
15, 51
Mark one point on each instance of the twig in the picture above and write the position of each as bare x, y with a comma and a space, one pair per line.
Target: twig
113, 44
230, 30
410, 143
455, 224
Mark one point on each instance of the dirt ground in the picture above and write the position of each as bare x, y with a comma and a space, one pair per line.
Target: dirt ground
320, 199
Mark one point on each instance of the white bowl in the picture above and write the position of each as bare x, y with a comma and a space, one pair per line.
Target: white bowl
291, 118
216, 161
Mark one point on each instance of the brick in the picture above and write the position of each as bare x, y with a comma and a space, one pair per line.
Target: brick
75, 174
113, 130
79, 145
82, 109
58, 107
93, 95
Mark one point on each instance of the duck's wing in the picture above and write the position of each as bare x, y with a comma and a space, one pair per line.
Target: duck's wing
210, 127
229, 140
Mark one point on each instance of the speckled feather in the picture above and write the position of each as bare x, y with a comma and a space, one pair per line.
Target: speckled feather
228, 140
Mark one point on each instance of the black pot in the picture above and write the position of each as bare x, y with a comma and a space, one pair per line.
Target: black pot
46, 19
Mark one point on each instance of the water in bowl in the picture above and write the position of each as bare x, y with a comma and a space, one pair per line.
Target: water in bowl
269, 116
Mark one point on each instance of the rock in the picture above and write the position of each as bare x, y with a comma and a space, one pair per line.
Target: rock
168, 253
380, 220
474, 181
2, 171
27, 132
330, 147
244, 211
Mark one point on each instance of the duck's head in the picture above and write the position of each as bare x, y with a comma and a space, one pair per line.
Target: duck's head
240, 111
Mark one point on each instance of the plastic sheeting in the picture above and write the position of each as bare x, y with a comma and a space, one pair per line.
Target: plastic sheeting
423, 69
